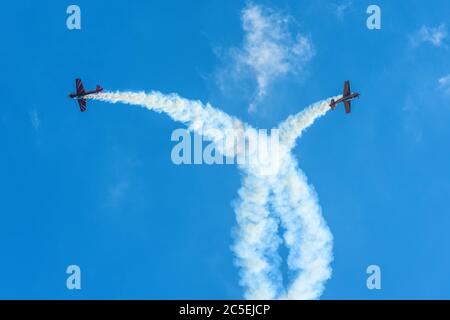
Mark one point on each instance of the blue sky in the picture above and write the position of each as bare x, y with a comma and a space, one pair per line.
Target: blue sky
99, 189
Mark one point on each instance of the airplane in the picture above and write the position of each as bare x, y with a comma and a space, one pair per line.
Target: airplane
81, 93
346, 98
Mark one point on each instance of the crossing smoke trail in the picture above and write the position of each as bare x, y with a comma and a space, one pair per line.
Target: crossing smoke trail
266, 200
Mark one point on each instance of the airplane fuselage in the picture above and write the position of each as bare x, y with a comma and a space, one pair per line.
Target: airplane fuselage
346, 98
80, 96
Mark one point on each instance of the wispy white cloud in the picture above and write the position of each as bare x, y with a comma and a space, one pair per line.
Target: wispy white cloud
35, 120
269, 50
340, 9
444, 83
121, 186
117, 192
433, 35
411, 126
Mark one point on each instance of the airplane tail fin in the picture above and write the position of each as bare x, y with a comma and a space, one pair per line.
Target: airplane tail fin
99, 88
332, 104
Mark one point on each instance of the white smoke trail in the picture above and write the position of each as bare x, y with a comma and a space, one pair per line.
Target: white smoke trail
306, 234
265, 200
257, 240
295, 203
203, 119
294, 125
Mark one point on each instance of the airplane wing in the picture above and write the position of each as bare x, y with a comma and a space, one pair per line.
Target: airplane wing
346, 88
80, 88
348, 106
82, 103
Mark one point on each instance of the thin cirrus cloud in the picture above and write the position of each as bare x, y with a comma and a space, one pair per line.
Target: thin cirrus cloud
35, 120
444, 83
435, 36
117, 193
269, 50
341, 9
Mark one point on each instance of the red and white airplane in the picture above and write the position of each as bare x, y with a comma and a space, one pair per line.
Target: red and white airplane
347, 97
81, 93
